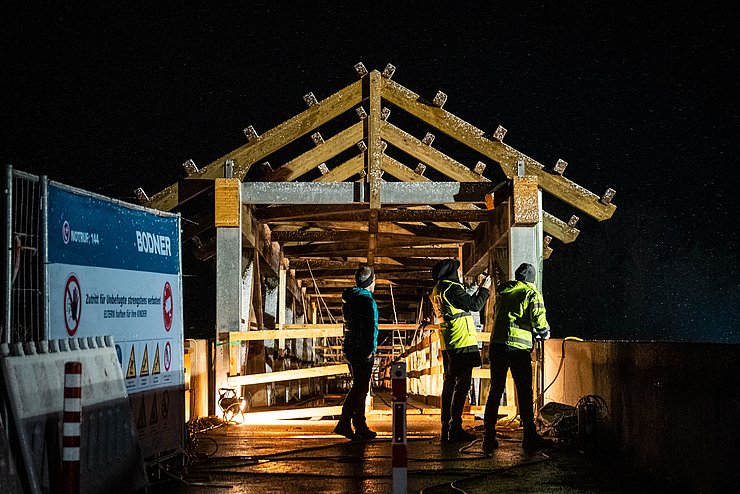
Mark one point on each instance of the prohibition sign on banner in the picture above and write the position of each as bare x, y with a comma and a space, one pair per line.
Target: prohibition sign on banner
72, 304
167, 356
167, 306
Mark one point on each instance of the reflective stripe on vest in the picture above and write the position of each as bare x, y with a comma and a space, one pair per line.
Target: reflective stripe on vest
519, 338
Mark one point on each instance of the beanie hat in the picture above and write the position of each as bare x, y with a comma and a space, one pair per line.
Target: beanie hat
525, 272
446, 269
364, 276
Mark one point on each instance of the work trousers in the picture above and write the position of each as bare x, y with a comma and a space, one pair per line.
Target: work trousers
457, 376
353, 409
520, 363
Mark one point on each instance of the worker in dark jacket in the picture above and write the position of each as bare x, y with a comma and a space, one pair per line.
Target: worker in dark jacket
519, 318
452, 306
360, 344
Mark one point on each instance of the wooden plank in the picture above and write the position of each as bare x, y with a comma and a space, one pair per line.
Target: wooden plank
274, 334
294, 327
355, 226
289, 375
351, 167
317, 155
400, 171
504, 155
291, 414
429, 155
558, 228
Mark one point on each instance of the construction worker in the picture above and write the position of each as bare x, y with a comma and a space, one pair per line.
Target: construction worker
519, 318
360, 344
452, 306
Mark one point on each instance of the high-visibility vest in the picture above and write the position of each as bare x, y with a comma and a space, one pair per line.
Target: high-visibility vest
457, 326
520, 312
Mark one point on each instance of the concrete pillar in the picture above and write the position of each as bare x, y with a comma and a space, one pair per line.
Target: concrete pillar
228, 276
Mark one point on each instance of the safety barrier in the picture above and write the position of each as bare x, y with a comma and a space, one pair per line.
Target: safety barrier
110, 456
10, 482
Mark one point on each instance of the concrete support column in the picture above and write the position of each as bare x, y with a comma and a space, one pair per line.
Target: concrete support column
228, 277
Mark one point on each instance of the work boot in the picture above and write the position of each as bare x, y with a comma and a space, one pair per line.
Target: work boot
365, 434
489, 444
533, 441
460, 435
344, 429
444, 435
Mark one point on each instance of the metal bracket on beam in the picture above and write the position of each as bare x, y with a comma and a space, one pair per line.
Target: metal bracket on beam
560, 167
141, 195
361, 113
317, 138
499, 133
479, 168
229, 168
362, 146
360, 69
420, 169
608, 196
520, 168
439, 99
190, 167
323, 168
428, 139
389, 70
385, 113
572, 221
310, 99
251, 133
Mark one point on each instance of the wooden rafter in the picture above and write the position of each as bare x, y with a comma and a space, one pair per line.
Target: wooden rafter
504, 155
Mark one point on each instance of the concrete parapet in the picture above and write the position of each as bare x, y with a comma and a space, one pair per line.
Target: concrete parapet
673, 407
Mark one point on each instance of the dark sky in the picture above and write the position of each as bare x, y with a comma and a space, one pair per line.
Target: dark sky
638, 96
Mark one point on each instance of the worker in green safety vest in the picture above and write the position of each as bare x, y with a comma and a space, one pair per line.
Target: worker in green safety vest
519, 319
452, 305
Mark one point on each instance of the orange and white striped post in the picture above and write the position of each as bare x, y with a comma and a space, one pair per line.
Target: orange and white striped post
399, 454
72, 417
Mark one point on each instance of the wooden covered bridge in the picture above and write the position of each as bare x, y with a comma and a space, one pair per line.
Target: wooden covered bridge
290, 215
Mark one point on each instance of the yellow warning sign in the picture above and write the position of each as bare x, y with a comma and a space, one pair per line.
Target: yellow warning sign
155, 367
153, 416
141, 421
144, 371
131, 372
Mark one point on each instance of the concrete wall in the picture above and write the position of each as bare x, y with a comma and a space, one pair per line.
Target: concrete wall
673, 407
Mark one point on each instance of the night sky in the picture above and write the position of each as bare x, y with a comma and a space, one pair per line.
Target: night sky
637, 96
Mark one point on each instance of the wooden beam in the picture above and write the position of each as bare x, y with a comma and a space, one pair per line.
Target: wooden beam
504, 155
375, 151
351, 167
289, 375
307, 211
476, 254
558, 228
317, 155
432, 157
310, 331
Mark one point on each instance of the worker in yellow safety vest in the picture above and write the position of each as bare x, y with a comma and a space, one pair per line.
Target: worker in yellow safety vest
452, 305
519, 319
